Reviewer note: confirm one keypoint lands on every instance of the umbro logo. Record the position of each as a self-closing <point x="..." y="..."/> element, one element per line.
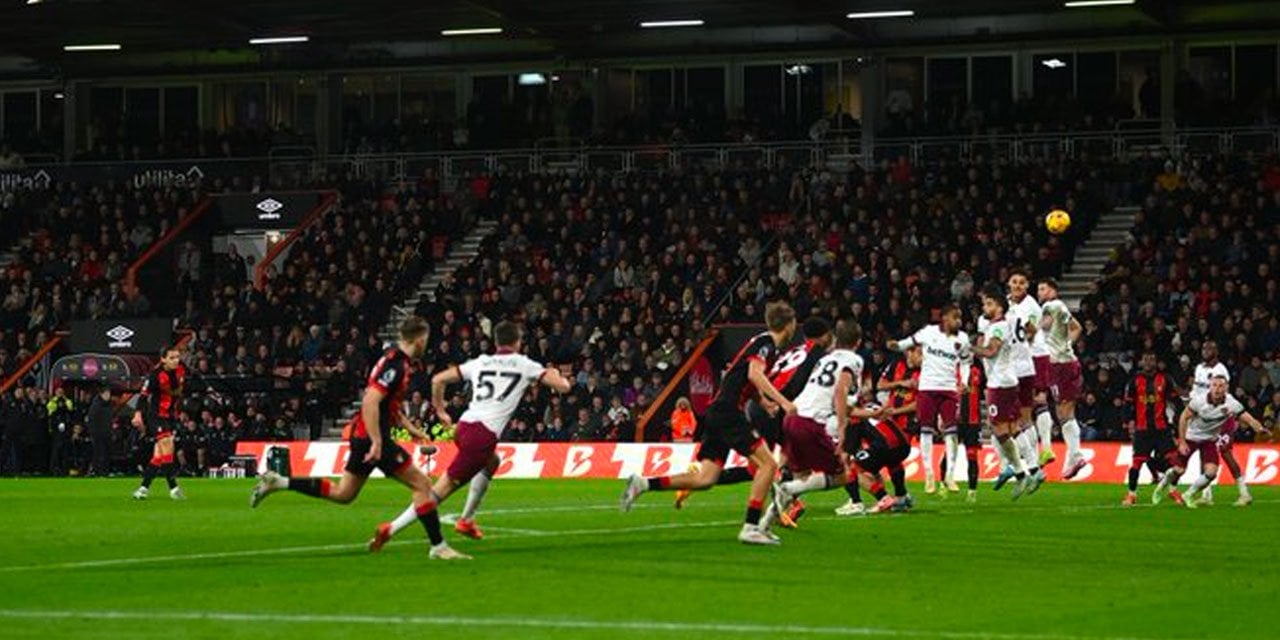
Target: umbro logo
<point x="270" y="209"/>
<point x="120" y="335"/>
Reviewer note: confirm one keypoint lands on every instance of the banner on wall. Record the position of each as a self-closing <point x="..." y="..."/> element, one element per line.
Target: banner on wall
<point x="1108" y="461"/>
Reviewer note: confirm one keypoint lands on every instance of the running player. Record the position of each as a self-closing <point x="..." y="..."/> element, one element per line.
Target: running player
<point x="945" y="350"/>
<point x="996" y="347"/>
<point x="814" y="434"/>
<point x="788" y="375"/>
<point x="371" y="446"/>
<point x="725" y="427"/>
<point x="160" y="401"/>
<point x="1206" y="371"/>
<point x="1148" y="397"/>
<point x="498" y="382"/>
<point x="1024" y="317"/>
<point x="1059" y="331"/>
<point x="1199" y="428"/>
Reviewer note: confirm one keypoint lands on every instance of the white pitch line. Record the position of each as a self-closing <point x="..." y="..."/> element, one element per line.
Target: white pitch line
<point x="530" y="623"/>
<point x="532" y="533"/>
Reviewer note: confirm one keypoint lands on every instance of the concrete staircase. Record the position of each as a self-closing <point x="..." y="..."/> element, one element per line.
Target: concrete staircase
<point x="1111" y="232"/>
<point x="460" y="254"/>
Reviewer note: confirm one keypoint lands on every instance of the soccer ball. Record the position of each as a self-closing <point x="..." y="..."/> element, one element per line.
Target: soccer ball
<point x="1057" y="222"/>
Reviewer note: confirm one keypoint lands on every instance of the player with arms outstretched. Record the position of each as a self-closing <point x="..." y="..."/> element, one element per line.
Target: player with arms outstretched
<point x="995" y="347"/>
<point x="725" y="427"/>
<point x="1199" y="428"/>
<point x="1205" y="371"/>
<point x="158" y="414"/>
<point x="371" y="446"/>
<point x="498" y="383"/>
<point x="1059" y="331"/>
<point x="945" y="352"/>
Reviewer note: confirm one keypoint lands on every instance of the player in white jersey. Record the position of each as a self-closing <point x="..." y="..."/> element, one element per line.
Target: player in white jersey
<point x="814" y="434"/>
<point x="946" y="353"/>
<point x="995" y="347"/>
<point x="1024" y="313"/>
<point x="1059" y="332"/>
<point x="1199" y="428"/>
<point x="498" y="382"/>
<point x="1210" y="368"/>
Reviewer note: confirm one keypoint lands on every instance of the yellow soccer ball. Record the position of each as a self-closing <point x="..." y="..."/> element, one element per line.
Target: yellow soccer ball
<point x="1057" y="222"/>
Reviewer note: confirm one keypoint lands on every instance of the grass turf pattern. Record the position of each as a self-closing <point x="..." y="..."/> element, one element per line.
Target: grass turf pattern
<point x="79" y="559"/>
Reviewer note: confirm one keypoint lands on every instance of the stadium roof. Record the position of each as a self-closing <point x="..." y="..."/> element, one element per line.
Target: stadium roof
<point x="576" y="28"/>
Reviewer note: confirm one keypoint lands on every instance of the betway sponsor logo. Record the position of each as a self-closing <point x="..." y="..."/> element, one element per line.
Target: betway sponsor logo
<point x="167" y="178"/>
<point x="23" y="181"/>
<point x="941" y="354"/>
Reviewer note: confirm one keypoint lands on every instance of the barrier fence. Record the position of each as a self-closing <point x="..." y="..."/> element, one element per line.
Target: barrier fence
<point x="1108" y="461"/>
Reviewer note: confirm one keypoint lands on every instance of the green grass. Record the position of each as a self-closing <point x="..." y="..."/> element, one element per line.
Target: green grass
<point x="79" y="559"/>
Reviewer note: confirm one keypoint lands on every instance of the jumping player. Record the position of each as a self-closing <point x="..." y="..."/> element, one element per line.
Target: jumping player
<point x="945" y="351"/>
<point x="814" y="434"/>
<point x="1060" y="331"/>
<point x="498" y="382"/>
<point x="1025" y="312"/>
<point x="725" y="427"/>
<point x="788" y="375"/>
<point x="1206" y="371"/>
<point x="995" y="346"/>
<point x="1199" y="427"/>
<point x="371" y="446"/>
<point x="160" y="401"/>
<point x="1148" y="397"/>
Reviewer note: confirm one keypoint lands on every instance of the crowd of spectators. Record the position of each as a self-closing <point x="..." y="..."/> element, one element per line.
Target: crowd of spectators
<point x="1200" y="264"/>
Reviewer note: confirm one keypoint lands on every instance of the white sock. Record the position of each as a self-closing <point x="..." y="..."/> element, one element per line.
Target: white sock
<point x="926" y="454"/>
<point x="766" y="520"/>
<point x="1071" y="435"/>
<point x="1243" y="486"/>
<point x="1005" y="460"/>
<point x="1200" y="483"/>
<point x="1010" y="449"/>
<point x="952" y="442"/>
<point x="815" y="482"/>
<point x="1044" y="429"/>
<point x="406" y="518"/>
<point x="1027" y="448"/>
<point x="475" y="493"/>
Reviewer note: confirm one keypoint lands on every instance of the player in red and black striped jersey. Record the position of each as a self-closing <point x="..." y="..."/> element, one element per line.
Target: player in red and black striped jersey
<point x="370" y="443"/>
<point x="159" y="407"/>
<point x="900" y="379"/>
<point x="788" y="375"/>
<point x="725" y="426"/>
<point x="879" y="444"/>
<point x="969" y="419"/>
<point x="1149" y="397"/>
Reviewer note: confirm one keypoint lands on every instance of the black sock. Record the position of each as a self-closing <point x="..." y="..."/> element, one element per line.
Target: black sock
<point x="1133" y="477"/>
<point x="171" y="475"/>
<point x="734" y="476"/>
<point x="307" y="486"/>
<point x="854" y="491"/>
<point x="786" y="474"/>
<point x="942" y="467"/>
<point x="1020" y="475"/>
<point x="899" y="477"/>
<point x="973" y="474"/>
<point x="430" y="519"/>
<point x="148" y="474"/>
<point x="754" y="508"/>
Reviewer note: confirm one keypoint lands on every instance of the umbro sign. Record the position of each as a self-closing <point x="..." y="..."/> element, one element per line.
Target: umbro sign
<point x="120" y="336"/>
<point x="254" y="211"/>
<point x="270" y="209"/>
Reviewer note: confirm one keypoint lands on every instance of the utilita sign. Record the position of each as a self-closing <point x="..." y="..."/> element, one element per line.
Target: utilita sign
<point x="139" y="175"/>
<point x="1108" y="462"/>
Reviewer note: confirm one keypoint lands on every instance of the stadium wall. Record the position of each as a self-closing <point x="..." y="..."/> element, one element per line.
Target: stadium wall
<point x="1108" y="461"/>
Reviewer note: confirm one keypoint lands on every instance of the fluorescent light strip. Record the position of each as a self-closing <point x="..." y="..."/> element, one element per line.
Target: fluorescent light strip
<point x="279" y="40"/>
<point x="91" y="47"/>
<point x="866" y="15"/>
<point x="658" y="24"/>
<point x="1077" y="4"/>
<point x="483" y="31"/>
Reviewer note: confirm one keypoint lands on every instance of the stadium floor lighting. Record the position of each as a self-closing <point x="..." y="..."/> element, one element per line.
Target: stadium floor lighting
<point x="867" y="15"/>
<point x="279" y="40"/>
<point x="1077" y="4"/>
<point x="91" y="47"/>
<point x="481" y="31"/>
<point x="658" y="24"/>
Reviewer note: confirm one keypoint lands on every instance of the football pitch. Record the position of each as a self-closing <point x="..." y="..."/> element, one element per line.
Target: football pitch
<point x="79" y="559"/>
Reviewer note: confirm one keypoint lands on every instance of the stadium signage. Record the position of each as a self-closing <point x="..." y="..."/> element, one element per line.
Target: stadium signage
<point x="167" y="178"/>
<point x="148" y="336"/>
<point x="17" y="181"/>
<point x="1108" y="461"/>
<point x="265" y="210"/>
